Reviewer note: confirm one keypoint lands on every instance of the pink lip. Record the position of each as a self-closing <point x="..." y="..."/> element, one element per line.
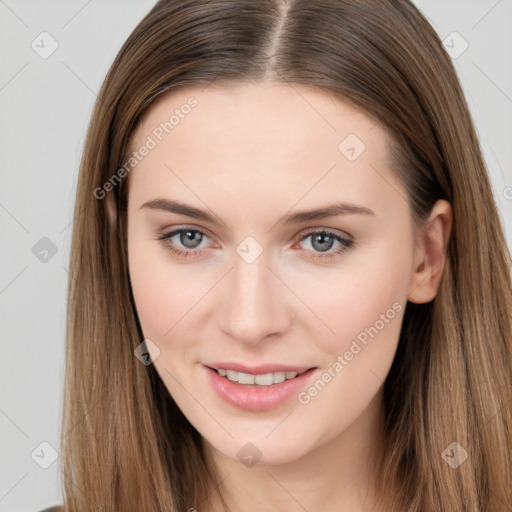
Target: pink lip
<point x="257" y="398"/>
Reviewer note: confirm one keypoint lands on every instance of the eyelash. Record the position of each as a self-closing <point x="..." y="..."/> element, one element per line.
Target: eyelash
<point x="346" y="243"/>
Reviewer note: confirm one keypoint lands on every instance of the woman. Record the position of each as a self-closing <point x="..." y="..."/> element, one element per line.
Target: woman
<point x="289" y="284"/>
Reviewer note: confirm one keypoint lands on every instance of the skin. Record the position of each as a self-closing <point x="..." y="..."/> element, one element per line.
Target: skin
<point x="251" y="154"/>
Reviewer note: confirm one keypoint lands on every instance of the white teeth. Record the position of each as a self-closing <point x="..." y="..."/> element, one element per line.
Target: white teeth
<point x="279" y="377"/>
<point x="246" y="378"/>
<point x="232" y="375"/>
<point x="265" y="379"/>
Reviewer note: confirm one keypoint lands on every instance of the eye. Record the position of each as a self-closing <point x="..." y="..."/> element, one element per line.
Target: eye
<point x="186" y="242"/>
<point x="322" y="241"/>
<point x="184" y="238"/>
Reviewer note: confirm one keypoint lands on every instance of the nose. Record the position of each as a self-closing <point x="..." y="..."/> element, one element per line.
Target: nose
<point x="253" y="302"/>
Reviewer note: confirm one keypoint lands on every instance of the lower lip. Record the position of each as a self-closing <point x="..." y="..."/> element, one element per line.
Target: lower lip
<point x="253" y="398"/>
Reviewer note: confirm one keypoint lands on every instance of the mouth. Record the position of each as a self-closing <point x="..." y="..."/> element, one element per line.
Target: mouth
<point x="259" y="388"/>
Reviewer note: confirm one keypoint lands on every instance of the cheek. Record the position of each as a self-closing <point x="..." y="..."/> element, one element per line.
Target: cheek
<point x="369" y="302"/>
<point x="163" y="292"/>
<point x="364" y="306"/>
<point x="364" y="291"/>
<point x="365" y="311"/>
<point x="153" y="300"/>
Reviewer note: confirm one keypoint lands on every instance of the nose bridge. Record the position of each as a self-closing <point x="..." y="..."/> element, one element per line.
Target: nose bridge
<point x="252" y="304"/>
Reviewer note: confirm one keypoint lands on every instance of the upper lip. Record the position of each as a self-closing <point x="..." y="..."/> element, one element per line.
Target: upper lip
<point x="258" y="369"/>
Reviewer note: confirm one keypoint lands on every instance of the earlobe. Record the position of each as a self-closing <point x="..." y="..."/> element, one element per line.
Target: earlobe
<point x="430" y="254"/>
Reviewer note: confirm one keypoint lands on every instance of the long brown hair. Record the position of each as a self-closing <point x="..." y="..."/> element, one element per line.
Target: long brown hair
<point x="125" y="444"/>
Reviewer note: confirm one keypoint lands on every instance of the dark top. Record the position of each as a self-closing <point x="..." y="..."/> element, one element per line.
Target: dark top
<point x="55" y="508"/>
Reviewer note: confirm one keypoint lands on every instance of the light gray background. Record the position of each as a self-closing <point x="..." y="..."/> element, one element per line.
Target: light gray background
<point x="45" y="107"/>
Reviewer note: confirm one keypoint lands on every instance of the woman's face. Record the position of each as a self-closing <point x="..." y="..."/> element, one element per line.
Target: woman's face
<point x="245" y="279"/>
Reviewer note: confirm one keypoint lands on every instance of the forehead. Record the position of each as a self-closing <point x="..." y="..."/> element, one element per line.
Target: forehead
<point x="261" y="139"/>
<point x="258" y="117"/>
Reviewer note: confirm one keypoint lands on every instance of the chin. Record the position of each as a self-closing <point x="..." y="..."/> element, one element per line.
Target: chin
<point x="262" y="448"/>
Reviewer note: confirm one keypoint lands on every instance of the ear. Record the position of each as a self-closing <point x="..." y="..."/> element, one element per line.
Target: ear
<point x="430" y="253"/>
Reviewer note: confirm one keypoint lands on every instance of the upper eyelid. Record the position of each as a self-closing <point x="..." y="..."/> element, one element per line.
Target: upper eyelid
<point x="178" y="229"/>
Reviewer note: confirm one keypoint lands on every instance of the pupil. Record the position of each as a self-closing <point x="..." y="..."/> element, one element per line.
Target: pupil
<point x="188" y="238"/>
<point x="323" y="239"/>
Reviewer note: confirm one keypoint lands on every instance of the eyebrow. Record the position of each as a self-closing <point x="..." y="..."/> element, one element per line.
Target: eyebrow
<point x="333" y="210"/>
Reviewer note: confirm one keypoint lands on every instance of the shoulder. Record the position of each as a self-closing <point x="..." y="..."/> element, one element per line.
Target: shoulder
<point x="55" y="508"/>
